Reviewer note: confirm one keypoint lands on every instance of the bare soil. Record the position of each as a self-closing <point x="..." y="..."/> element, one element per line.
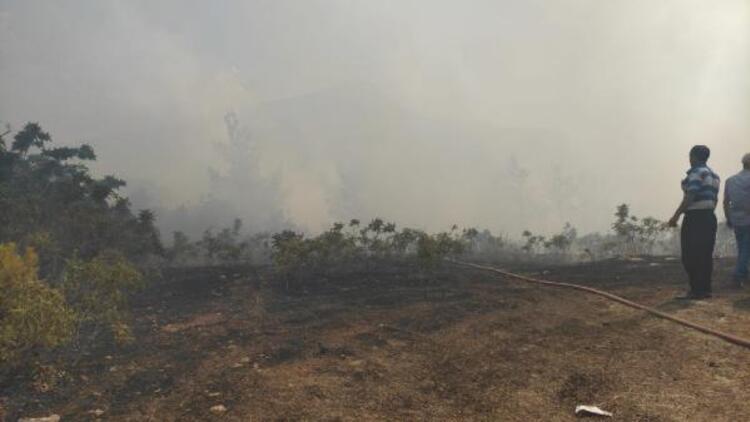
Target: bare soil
<point x="459" y="345"/>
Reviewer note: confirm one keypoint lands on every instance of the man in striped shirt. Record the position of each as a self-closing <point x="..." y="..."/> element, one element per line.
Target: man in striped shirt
<point x="698" y="235"/>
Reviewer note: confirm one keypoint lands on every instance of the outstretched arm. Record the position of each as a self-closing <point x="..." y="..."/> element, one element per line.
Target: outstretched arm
<point x="687" y="199"/>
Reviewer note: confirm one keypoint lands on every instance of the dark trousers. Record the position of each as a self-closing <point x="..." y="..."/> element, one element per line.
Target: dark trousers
<point x="742" y="234"/>
<point x="698" y="238"/>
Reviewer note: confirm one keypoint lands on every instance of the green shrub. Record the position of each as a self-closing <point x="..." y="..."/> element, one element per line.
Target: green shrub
<point x="290" y="254"/>
<point x="99" y="290"/>
<point x="33" y="315"/>
<point x="376" y="244"/>
<point x="637" y="236"/>
<point x="433" y="249"/>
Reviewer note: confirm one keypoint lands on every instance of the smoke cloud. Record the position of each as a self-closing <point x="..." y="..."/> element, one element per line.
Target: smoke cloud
<point x="498" y="114"/>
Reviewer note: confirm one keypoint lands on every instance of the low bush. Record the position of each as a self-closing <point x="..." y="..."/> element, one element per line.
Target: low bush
<point x="637" y="236"/>
<point x="228" y="246"/>
<point x="98" y="291"/>
<point x="33" y="315"/>
<point x="351" y="247"/>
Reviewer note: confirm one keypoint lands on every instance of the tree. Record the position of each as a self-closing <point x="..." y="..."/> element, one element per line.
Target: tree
<point x="50" y="200"/>
<point x="563" y="241"/>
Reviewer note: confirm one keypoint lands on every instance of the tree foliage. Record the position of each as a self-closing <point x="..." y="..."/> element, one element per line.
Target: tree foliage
<point x="636" y="236"/>
<point x="559" y="243"/>
<point x="352" y="246"/>
<point x="85" y="234"/>
<point x="49" y="199"/>
<point x="227" y="246"/>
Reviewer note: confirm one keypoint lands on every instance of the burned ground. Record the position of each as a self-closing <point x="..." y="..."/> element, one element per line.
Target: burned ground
<point x="459" y="345"/>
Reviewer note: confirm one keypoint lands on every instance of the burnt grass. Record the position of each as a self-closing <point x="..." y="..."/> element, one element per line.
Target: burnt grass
<point x="396" y="344"/>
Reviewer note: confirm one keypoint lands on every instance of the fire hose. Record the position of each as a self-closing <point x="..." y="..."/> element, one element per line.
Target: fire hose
<point x="739" y="341"/>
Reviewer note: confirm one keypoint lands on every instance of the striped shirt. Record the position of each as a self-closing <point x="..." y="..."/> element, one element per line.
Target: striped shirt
<point x="703" y="184"/>
<point x="737" y="191"/>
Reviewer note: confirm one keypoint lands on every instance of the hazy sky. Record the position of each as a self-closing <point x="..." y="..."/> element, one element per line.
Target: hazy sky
<point x="499" y="114"/>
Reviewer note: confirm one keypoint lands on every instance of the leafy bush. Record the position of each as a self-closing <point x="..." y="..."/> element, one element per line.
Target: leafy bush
<point x="433" y="249"/>
<point x="290" y="254"/>
<point x="36" y="317"/>
<point x="98" y="290"/>
<point x="534" y="243"/>
<point x="350" y="247"/>
<point x="228" y="246"/>
<point x="33" y="315"/>
<point x="630" y="235"/>
<point x="636" y="236"/>
<point x="345" y="247"/>
<point x="559" y="243"/>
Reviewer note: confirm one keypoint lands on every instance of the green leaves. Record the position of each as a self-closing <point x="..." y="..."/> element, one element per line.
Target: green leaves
<point x="4" y="147"/>
<point x="106" y="187"/>
<point x="227" y="246"/>
<point x="34" y="315"/>
<point x="31" y="135"/>
<point x="299" y="258"/>
<point x="50" y="200"/>
<point x="637" y="236"/>
<point x="98" y="290"/>
<point x="50" y="189"/>
<point x="84" y="152"/>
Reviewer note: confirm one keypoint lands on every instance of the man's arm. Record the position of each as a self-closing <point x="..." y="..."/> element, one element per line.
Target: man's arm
<point x="727" y="207"/>
<point x="687" y="199"/>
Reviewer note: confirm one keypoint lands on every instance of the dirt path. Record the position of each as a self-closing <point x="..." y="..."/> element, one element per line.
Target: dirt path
<point x="461" y="346"/>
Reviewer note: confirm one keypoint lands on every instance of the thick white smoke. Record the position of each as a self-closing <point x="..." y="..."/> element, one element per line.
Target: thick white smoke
<point x="498" y="114"/>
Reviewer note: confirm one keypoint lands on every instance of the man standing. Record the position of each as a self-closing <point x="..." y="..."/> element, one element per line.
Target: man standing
<point x="737" y="211"/>
<point x="698" y="235"/>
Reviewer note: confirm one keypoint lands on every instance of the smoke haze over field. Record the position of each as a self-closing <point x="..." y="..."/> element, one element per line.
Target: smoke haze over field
<point x="498" y="114"/>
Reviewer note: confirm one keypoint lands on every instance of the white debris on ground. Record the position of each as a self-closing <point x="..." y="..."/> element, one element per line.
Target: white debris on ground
<point x="51" y="418"/>
<point x="218" y="409"/>
<point x="591" y="411"/>
<point x="96" y="412"/>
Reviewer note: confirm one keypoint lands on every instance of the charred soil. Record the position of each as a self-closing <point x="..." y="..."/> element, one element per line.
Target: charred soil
<point x="391" y="345"/>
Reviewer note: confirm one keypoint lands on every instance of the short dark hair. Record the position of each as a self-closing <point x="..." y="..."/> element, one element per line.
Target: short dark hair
<point x="700" y="153"/>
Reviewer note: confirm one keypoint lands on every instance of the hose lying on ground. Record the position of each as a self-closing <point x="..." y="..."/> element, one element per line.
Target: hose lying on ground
<point x="724" y="336"/>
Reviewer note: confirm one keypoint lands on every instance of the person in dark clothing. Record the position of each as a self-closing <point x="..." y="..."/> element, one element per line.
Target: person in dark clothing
<point x="698" y="236"/>
<point x="737" y="211"/>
